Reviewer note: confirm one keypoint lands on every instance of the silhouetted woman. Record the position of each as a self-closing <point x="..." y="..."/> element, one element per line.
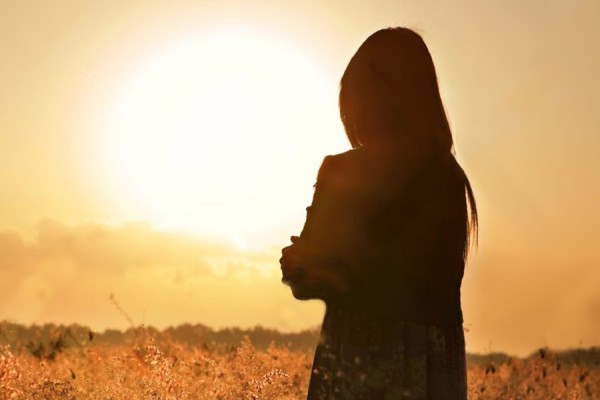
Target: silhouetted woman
<point x="386" y="236"/>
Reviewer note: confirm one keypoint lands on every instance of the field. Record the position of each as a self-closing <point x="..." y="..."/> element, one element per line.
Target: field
<point x="73" y="364"/>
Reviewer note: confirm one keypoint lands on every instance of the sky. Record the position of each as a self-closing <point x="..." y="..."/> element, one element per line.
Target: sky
<point x="164" y="151"/>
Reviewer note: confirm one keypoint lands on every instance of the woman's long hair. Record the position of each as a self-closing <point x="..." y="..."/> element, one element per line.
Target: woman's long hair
<point x="389" y="97"/>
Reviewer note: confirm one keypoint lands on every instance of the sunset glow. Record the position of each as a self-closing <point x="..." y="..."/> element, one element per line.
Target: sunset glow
<point x="165" y="152"/>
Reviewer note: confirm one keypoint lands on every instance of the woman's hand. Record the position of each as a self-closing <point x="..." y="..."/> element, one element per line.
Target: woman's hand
<point x="299" y="271"/>
<point x="290" y="261"/>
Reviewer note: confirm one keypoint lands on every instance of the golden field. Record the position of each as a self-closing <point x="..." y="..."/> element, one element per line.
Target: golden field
<point x="70" y="363"/>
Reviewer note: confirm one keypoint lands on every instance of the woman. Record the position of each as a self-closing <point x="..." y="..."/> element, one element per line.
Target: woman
<point x="386" y="236"/>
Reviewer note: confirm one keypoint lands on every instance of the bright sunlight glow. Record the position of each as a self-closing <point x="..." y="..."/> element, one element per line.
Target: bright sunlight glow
<point x="212" y="133"/>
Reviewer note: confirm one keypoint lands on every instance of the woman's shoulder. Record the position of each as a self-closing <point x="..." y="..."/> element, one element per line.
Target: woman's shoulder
<point x="342" y="167"/>
<point x="345" y="158"/>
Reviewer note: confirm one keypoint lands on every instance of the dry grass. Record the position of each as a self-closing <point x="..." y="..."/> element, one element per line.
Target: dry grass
<point x="147" y="370"/>
<point x="541" y="377"/>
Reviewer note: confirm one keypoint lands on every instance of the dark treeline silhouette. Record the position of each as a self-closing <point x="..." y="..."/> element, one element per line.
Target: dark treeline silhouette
<point x="47" y="340"/>
<point x="44" y="339"/>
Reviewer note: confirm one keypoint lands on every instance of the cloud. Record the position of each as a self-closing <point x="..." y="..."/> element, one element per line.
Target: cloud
<point x="65" y="274"/>
<point x="118" y="249"/>
<point x="92" y="248"/>
<point x="128" y="246"/>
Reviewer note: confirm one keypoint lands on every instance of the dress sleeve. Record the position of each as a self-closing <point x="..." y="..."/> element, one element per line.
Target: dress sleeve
<point x="322" y="273"/>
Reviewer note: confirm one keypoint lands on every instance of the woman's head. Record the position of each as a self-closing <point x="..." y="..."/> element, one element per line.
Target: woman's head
<point x="390" y="100"/>
<point x="389" y="93"/>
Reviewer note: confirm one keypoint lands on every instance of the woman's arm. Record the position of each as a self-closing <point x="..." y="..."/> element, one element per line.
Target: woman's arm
<point x="312" y="266"/>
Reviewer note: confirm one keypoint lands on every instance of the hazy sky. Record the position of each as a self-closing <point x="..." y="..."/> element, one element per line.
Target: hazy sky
<point x="164" y="151"/>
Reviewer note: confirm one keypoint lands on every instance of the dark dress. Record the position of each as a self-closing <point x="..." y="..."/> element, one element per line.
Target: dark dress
<point x="388" y="266"/>
<point x="366" y="357"/>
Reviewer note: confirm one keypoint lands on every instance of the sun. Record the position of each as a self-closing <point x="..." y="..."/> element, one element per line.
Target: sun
<point x="211" y="133"/>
